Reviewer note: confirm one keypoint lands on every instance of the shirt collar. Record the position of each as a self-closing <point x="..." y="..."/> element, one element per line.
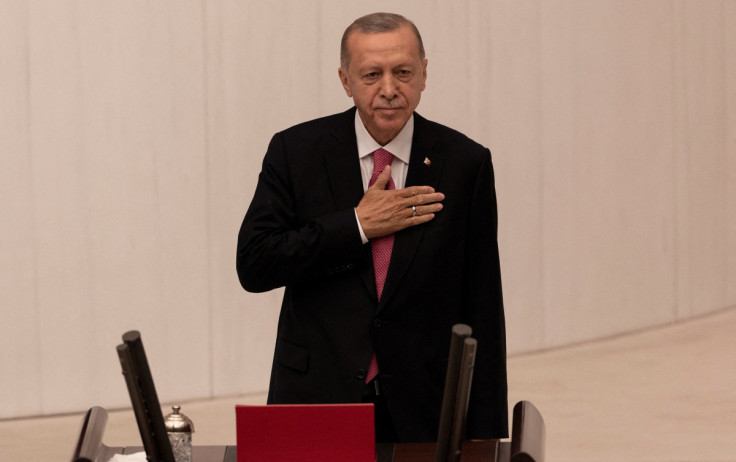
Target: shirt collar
<point x="400" y="146"/>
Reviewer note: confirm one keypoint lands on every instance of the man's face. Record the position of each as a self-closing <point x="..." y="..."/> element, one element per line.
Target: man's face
<point x="385" y="78"/>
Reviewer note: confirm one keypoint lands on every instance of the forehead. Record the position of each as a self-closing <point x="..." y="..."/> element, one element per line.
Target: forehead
<point x="400" y="43"/>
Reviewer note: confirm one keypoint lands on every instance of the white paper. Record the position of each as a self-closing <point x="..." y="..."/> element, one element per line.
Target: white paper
<point x="136" y="457"/>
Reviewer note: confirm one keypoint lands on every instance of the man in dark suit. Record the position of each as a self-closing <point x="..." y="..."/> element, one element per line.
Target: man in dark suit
<point x="378" y="264"/>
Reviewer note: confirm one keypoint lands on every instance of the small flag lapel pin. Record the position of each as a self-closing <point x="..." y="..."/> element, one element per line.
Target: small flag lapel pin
<point x="427" y="162"/>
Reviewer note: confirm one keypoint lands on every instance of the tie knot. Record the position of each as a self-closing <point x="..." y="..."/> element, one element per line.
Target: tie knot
<point x="381" y="158"/>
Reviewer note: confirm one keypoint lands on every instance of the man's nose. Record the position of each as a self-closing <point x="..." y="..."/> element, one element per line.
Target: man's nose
<point x="389" y="86"/>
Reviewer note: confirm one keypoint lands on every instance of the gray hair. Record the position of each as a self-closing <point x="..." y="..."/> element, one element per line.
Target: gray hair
<point x="375" y="23"/>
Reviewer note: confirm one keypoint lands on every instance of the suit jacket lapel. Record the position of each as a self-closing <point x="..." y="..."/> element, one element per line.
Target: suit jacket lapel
<point x="343" y="170"/>
<point x="343" y="166"/>
<point x="425" y="169"/>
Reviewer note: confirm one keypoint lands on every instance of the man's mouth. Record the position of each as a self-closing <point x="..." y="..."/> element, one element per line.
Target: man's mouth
<point x="388" y="110"/>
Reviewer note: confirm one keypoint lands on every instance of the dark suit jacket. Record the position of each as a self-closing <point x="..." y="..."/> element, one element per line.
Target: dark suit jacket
<point x="300" y="232"/>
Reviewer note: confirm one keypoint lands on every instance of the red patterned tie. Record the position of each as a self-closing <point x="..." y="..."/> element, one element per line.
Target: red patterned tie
<point x="380" y="247"/>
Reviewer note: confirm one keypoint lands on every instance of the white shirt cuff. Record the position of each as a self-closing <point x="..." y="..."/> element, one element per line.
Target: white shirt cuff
<point x="360" y="228"/>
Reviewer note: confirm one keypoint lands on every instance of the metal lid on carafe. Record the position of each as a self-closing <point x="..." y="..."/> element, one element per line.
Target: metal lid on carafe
<point x="178" y="423"/>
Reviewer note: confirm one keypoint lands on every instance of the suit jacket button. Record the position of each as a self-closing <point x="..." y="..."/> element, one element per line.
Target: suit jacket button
<point x="361" y="374"/>
<point x="377" y="322"/>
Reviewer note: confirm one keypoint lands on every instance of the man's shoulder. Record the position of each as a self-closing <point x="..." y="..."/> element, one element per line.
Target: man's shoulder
<point x="446" y="135"/>
<point x="335" y="123"/>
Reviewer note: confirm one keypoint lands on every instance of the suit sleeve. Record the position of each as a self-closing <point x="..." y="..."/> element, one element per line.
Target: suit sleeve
<point x="279" y="245"/>
<point x="488" y="410"/>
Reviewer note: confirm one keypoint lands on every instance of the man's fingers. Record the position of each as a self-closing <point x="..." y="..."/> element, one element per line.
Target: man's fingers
<point x="424" y="210"/>
<point x="420" y="195"/>
<point x="383" y="178"/>
<point x="381" y="212"/>
<point x="413" y="191"/>
<point x="422" y="199"/>
<point x="420" y="219"/>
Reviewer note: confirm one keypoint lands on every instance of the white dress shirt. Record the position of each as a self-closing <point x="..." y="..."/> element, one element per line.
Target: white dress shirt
<point x="400" y="147"/>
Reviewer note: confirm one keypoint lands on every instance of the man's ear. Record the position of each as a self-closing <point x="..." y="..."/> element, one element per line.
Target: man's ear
<point x="344" y="80"/>
<point x="424" y="73"/>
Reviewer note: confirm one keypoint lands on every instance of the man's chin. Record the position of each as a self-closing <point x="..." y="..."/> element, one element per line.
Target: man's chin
<point x="387" y="132"/>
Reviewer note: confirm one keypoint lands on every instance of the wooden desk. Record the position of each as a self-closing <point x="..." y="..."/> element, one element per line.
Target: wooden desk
<point x="472" y="451"/>
<point x="527" y="443"/>
<point x="199" y="453"/>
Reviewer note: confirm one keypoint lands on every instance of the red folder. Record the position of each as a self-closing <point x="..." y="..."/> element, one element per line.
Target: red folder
<point x="305" y="433"/>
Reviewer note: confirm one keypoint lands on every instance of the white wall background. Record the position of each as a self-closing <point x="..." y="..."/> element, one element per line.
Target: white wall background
<point x="131" y="135"/>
